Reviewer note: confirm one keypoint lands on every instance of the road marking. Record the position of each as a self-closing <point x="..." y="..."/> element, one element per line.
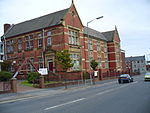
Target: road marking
<point x="107" y="83"/>
<point x="74" y="101"/>
<point x="14" y="100"/>
<point x="110" y="90"/>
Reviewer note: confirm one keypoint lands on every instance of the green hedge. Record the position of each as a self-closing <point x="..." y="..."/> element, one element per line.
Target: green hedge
<point x="32" y="76"/>
<point x="5" y="76"/>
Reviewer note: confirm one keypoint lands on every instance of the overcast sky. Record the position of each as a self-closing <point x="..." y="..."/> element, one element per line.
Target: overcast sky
<point x="132" y="18"/>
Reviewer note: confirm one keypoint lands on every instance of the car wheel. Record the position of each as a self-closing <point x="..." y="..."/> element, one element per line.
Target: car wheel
<point x="128" y="81"/>
<point x="121" y="81"/>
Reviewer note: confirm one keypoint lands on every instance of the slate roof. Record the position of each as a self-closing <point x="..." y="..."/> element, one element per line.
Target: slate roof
<point x="37" y="23"/>
<point x="109" y="35"/>
<point x="137" y="58"/>
<point x="94" y="33"/>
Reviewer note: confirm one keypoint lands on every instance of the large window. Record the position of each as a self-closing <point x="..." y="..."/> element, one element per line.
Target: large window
<point x="9" y="45"/>
<point x="90" y="45"/>
<point x="75" y="60"/>
<point x="40" y="62"/>
<point x="40" y="40"/>
<point x="98" y="46"/>
<point x="30" y="67"/>
<point x="29" y="42"/>
<point x="1" y="48"/>
<point x="49" y="39"/>
<point x="19" y="44"/>
<point x="105" y="47"/>
<point x="99" y="62"/>
<point x="73" y="37"/>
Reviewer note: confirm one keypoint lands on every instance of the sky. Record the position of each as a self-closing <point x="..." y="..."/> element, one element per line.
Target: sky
<point x="132" y="18"/>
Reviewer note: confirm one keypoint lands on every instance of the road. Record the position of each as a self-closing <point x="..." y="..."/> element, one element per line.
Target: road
<point x="109" y="97"/>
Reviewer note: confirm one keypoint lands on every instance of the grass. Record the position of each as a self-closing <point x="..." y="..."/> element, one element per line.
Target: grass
<point x="26" y="83"/>
<point x="52" y="82"/>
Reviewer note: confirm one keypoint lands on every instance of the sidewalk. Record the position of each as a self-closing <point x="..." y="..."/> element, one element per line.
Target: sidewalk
<point x="35" y="92"/>
<point x="11" y="97"/>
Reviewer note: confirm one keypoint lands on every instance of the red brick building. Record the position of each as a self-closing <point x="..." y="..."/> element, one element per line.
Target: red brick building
<point x="39" y="38"/>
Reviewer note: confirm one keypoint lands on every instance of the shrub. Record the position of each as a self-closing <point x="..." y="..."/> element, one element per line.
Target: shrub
<point x="32" y="76"/>
<point x="6" y="64"/>
<point x="5" y="76"/>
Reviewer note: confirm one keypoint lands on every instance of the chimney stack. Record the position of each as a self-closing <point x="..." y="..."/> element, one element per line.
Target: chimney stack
<point x="6" y="27"/>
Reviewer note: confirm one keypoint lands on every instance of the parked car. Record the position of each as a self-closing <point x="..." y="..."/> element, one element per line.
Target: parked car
<point x="125" y="78"/>
<point x="147" y="76"/>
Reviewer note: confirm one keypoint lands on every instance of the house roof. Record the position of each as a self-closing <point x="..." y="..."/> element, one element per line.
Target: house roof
<point x="137" y="58"/>
<point x="37" y="23"/>
<point x="94" y="33"/>
<point x="109" y="35"/>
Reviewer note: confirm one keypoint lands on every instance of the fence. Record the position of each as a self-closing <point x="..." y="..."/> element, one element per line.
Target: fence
<point x="9" y="86"/>
<point x="55" y="80"/>
<point x="5" y="87"/>
<point x="113" y="74"/>
<point x="68" y="80"/>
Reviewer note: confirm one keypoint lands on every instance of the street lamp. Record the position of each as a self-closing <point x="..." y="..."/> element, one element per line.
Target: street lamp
<point x="88" y="48"/>
<point x="93" y="20"/>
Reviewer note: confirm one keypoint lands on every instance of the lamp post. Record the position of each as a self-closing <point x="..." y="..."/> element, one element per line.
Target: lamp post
<point x="93" y="20"/>
<point x="88" y="47"/>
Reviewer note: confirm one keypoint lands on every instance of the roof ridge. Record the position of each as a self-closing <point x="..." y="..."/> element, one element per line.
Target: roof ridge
<point x="108" y="31"/>
<point x="97" y="33"/>
<point x="41" y="16"/>
<point x="37" y="23"/>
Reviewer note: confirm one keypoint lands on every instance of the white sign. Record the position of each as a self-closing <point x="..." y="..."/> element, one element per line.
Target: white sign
<point x="95" y="73"/>
<point x="43" y="71"/>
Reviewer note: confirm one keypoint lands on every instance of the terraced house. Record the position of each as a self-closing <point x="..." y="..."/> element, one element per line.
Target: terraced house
<point x="39" y="38"/>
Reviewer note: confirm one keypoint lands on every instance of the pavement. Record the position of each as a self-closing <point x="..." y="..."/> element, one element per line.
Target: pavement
<point x="28" y="92"/>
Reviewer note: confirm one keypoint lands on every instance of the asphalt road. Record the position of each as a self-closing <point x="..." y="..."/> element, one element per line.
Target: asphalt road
<point x="109" y="97"/>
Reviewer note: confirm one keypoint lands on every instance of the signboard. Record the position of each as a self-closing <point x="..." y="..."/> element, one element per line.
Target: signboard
<point x="95" y="73"/>
<point x="43" y="71"/>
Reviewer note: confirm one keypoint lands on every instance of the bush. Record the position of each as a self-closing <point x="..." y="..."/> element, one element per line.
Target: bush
<point x="5" y="76"/>
<point x="6" y="64"/>
<point x="32" y="76"/>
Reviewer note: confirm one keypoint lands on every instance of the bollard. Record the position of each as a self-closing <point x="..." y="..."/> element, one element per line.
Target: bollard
<point x="41" y="84"/>
<point x="13" y="83"/>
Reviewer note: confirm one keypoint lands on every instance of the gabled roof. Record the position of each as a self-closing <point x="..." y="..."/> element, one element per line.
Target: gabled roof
<point x="136" y="58"/>
<point x="37" y="23"/>
<point x="109" y="35"/>
<point x="94" y="33"/>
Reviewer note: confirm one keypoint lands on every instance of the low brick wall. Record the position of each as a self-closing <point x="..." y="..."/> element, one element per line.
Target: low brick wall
<point x="9" y="86"/>
<point x="63" y="84"/>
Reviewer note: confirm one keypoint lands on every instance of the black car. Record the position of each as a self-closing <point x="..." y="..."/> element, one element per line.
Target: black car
<point x="125" y="78"/>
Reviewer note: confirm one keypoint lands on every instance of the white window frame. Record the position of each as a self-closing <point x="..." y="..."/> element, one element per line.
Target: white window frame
<point x="73" y="37"/>
<point x="29" y="42"/>
<point x="49" y="39"/>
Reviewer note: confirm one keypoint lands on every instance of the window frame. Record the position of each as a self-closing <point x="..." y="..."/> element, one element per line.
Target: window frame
<point x="73" y="36"/>
<point x="49" y="38"/>
<point x="29" y="42"/>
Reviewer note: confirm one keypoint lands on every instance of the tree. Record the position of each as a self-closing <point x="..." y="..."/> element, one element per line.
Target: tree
<point x="93" y="64"/>
<point x="5" y="75"/>
<point x="6" y="65"/>
<point x="63" y="58"/>
<point x="32" y="76"/>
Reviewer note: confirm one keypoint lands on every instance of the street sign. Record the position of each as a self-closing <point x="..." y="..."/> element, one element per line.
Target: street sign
<point x="43" y="71"/>
<point x="95" y="73"/>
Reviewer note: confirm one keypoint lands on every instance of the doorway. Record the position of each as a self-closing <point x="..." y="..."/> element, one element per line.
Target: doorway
<point x="50" y="65"/>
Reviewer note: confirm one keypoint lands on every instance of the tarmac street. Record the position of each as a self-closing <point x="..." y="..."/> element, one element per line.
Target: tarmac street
<point x="104" y="97"/>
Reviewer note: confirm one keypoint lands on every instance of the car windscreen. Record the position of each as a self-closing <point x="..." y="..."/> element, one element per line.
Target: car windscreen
<point x="147" y="74"/>
<point x="125" y="75"/>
